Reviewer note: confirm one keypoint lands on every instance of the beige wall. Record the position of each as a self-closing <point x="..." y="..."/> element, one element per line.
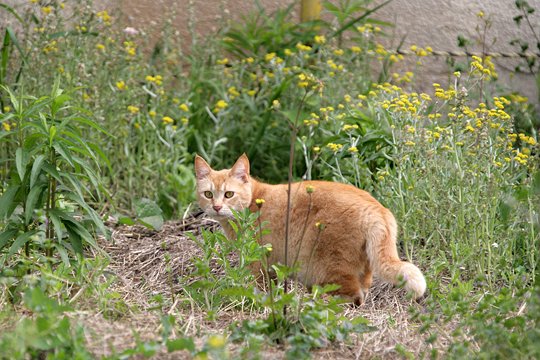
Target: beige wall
<point x="436" y="23"/>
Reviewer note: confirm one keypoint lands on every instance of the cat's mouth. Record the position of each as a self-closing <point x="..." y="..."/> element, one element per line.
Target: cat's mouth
<point x="219" y="215"/>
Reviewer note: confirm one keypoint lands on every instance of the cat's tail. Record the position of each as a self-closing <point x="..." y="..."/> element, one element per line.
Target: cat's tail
<point x="383" y="256"/>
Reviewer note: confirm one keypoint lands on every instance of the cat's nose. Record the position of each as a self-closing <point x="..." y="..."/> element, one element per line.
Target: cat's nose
<point x="217" y="207"/>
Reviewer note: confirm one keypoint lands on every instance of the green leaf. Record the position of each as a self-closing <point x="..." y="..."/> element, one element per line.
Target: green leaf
<point x="21" y="160"/>
<point x="20" y="241"/>
<point x="31" y="202"/>
<point x="36" y="169"/>
<point x="181" y="344"/>
<point x="6" y="201"/>
<point x="12" y="12"/>
<point x="74" y="237"/>
<point x="7" y="235"/>
<point x="58" y="102"/>
<point x="149" y="214"/>
<point x="124" y="220"/>
<point x="52" y="134"/>
<point x="57" y="223"/>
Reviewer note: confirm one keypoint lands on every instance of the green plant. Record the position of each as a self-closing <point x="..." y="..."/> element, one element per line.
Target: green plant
<point x="50" y="172"/>
<point x="50" y="333"/>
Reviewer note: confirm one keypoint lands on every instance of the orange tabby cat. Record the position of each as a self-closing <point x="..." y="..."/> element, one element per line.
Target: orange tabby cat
<point x="358" y="236"/>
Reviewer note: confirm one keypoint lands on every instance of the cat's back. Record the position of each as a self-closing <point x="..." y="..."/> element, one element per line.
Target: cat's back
<point x="327" y="192"/>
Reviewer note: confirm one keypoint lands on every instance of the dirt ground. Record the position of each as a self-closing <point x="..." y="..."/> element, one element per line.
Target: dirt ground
<point x="137" y="262"/>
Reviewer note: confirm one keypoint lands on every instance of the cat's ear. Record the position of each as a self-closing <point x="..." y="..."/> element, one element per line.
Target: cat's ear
<point x="240" y="169"/>
<point x="202" y="169"/>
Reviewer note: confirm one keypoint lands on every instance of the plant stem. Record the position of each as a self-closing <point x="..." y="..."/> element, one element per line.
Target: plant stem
<point x="294" y="133"/>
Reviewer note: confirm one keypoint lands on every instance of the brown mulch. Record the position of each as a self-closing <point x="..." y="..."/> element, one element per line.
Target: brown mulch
<point x="139" y="267"/>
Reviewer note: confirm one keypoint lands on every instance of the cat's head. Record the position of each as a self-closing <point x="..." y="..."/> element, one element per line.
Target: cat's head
<point x="221" y="191"/>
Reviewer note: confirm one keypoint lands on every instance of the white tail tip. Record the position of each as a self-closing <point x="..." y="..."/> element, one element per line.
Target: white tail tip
<point x="415" y="282"/>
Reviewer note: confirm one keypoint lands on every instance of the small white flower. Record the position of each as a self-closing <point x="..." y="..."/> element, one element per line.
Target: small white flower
<point x="131" y="31"/>
<point x="495" y="245"/>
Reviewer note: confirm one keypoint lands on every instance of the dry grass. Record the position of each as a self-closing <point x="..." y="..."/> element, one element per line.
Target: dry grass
<point x="138" y="263"/>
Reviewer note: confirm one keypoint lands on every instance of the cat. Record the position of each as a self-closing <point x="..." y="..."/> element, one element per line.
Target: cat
<point x="338" y="233"/>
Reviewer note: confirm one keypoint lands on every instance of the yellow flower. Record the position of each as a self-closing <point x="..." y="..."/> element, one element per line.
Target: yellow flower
<point x="223" y="61"/>
<point x="167" y="120"/>
<point x="216" y="341"/>
<point x="249" y="60"/>
<point x="316" y="149"/>
<point x="121" y="85"/>
<point x="6" y="126"/>
<point x="46" y="10"/>
<point x="259" y="202"/>
<point x="252" y="92"/>
<point x="287" y="52"/>
<point x="310" y="189"/>
<point x="338" y="52"/>
<point x="221" y="104"/>
<point x="276" y="104"/>
<point x="152" y="113"/>
<point x="356" y="49"/>
<point x="183" y="107"/>
<point x="334" y="147"/>
<point x="410" y="143"/>
<point x="270" y="56"/>
<point x="100" y="47"/>
<point x="320" y="39"/>
<point x="184" y="120"/>
<point x="133" y="109"/>
<point x="353" y="149"/>
<point x="7" y="108"/>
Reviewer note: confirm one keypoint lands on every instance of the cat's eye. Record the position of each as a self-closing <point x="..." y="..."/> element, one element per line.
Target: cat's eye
<point x="208" y="194"/>
<point x="229" y="194"/>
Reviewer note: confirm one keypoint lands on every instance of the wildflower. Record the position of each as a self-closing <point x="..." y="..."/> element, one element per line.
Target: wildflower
<point x="270" y="56"/>
<point x="167" y="120"/>
<point x="104" y="16"/>
<point x="131" y="31"/>
<point x="303" y="47"/>
<point x="133" y="109"/>
<point x="221" y="104"/>
<point x="353" y="149"/>
<point x="276" y="104"/>
<point x="152" y="113"/>
<point x="480" y="14"/>
<point x="334" y="147"/>
<point x="7" y="108"/>
<point x="183" y="107"/>
<point x="457" y="74"/>
<point x="184" y="120"/>
<point x="100" y="47"/>
<point x="259" y="202"/>
<point x="223" y="61"/>
<point x="356" y="49"/>
<point x="6" y="126"/>
<point x="347" y="127"/>
<point x="287" y="52"/>
<point x="137" y="125"/>
<point x="121" y="85"/>
<point x="216" y="341"/>
<point x="234" y="93"/>
<point x="252" y="92"/>
<point x="316" y="149"/>
<point x="347" y="98"/>
<point x="46" y="10"/>
<point x="410" y="143"/>
<point x="338" y="52"/>
<point x="320" y="39"/>
<point x="469" y="128"/>
<point x="310" y="189"/>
